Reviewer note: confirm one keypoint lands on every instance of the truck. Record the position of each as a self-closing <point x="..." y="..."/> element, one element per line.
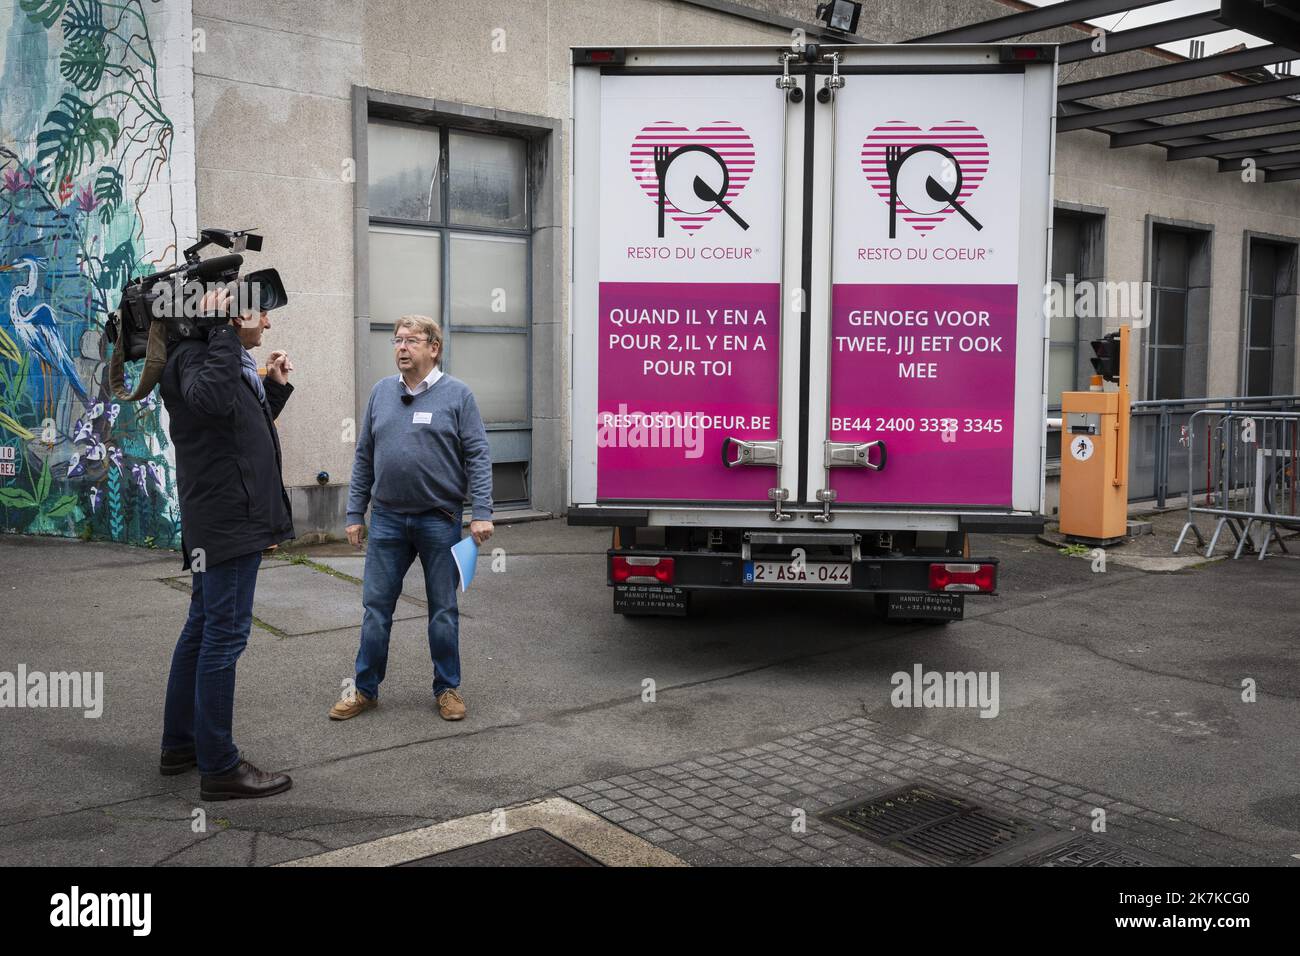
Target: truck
<point x="808" y="316"/>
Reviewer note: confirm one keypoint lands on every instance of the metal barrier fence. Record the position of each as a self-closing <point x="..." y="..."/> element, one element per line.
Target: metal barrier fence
<point x="1251" y="475"/>
<point x="1160" y="456"/>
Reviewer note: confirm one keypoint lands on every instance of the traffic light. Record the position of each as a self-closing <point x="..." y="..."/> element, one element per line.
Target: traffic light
<point x="1105" y="359"/>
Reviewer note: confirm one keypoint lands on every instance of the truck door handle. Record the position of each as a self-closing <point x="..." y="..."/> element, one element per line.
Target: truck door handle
<point x="855" y="455"/>
<point x="767" y="453"/>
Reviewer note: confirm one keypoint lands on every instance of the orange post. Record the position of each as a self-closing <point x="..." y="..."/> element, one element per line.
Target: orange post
<point x="1095" y="456"/>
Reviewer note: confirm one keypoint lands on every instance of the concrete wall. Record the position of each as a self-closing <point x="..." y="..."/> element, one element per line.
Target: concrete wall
<point x="272" y="111"/>
<point x="274" y="126"/>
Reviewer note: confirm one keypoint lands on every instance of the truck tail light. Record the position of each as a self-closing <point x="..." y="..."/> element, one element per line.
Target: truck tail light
<point x="963" y="577"/>
<point x="642" y="570"/>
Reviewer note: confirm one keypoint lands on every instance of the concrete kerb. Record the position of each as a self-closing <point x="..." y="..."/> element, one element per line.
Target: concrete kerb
<point x="579" y="827"/>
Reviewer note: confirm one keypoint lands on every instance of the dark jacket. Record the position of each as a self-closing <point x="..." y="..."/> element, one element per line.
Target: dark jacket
<point x="228" y="463"/>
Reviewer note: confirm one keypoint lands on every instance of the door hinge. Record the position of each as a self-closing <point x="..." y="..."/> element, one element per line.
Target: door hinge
<point x="776" y="496"/>
<point x="845" y="454"/>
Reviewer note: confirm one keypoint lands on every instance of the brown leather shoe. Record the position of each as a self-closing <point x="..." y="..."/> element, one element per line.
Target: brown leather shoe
<point x="350" y="708"/>
<point x="451" y="706"/>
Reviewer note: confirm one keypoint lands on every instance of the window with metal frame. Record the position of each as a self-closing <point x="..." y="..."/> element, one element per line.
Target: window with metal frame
<point x="1269" y="319"/>
<point x="449" y="235"/>
<point x="1177" y="339"/>
<point x="1077" y="305"/>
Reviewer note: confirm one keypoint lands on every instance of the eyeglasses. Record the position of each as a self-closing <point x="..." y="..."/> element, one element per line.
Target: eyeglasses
<point x="399" y="340"/>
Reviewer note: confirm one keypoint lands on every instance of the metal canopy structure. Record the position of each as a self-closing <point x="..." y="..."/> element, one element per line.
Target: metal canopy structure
<point x="1270" y="99"/>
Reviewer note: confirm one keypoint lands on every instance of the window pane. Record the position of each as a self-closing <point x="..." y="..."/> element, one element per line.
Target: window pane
<point x="509" y="482"/>
<point x="487" y="180"/>
<point x="1171" y="259"/>
<point x="495" y="367"/>
<point x="383" y="357"/>
<point x="1259" y="376"/>
<point x="405" y="274"/>
<point x="403" y="172"/>
<point x="1060" y="373"/>
<point x="1171" y="318"/>
<point x="488" y="281"/>
<point x="1065" y="328"/>
<point x="1261" y="324"/>
<point x="1169" y="373"/>
<point x="1263" y="268"/>
<point x="1065" y="247"/>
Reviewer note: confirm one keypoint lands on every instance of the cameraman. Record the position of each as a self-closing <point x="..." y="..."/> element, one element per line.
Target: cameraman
<point x="233" y="506"/>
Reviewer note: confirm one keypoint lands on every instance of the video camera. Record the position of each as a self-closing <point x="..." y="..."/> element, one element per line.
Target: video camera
<point x="172" y="296"/>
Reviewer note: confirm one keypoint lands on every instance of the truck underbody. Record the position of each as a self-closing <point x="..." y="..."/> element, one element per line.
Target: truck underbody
<point x="914" y="575"/>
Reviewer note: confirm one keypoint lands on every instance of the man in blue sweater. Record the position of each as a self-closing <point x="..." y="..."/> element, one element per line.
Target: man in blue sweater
<point x="421" y="453"/>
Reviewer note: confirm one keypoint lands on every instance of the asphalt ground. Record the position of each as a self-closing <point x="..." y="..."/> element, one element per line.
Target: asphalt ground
<point x="1124" y="684"/>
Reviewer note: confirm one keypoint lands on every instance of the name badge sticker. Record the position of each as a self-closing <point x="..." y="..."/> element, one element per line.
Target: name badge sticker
<point x="422" y="418"/>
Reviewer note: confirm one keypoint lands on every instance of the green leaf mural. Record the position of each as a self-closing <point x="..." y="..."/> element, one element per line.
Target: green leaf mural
<point x="44" y="12"/>
<point x="72" y="133"/>
<point x="108" y="190"/>
<point x="16" y="498"/>
<point x="118" y="265"/>
<point x="62" y="507"/>
<point x="84" y="21"/>
<point x="82" y="62"/>
<point x="71" y="202"/>
<point x="43" y="483"/>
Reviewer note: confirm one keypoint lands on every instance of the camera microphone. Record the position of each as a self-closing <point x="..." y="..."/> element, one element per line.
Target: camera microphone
<point x="407" y="399"/>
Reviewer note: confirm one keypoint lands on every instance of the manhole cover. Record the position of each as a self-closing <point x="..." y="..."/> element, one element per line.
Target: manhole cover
<point x="1089" y="851"/>
<point x="930" y="825"/>
<point x="533" y="847"/>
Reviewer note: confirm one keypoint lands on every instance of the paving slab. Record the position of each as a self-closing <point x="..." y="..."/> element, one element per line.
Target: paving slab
<point x="297" y="599"/>
<point x="796" y="829"/>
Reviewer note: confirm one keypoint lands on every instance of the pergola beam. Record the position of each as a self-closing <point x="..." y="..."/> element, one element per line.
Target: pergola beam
<point x="1034" y="21"/>
<point x="1210" y="127"/>
<point x="1176" y="72"/>
<point x="1215" y="99"/>
<point x="1262" y="161"/>
<point x="1121" y="41"/>
<point x="1243" y="144"/>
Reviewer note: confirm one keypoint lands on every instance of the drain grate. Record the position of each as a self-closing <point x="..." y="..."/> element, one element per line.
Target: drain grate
<point x="1090" y="851"/>
<point x="533" y="847"/>
<point x="928" y="824"/>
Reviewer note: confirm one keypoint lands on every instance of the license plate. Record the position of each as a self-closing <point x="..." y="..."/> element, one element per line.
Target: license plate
<point x="821" y="574"/>
<point x="927" y="607"/>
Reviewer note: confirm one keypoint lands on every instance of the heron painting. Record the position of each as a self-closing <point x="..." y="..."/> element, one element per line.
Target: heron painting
<point x="37" y="327"/>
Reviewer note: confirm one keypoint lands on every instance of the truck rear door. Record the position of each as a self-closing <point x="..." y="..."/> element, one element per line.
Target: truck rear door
<point x="932" y="189"/>
<point x="681" y="264"/>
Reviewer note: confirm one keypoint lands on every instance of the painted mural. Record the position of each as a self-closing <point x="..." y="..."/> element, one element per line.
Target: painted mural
<point x="85" y="150"/>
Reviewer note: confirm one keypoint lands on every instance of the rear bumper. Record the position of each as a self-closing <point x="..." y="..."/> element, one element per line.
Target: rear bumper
<point x="698" y="571"/>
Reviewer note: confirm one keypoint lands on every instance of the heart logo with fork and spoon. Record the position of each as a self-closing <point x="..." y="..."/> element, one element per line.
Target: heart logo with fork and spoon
<point x="925" y="176"/>
<point x="692" y="176"/>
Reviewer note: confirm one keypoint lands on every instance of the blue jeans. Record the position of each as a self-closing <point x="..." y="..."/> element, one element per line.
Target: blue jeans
<point x="393" y="541"/>
<point x="200" y="706"/>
